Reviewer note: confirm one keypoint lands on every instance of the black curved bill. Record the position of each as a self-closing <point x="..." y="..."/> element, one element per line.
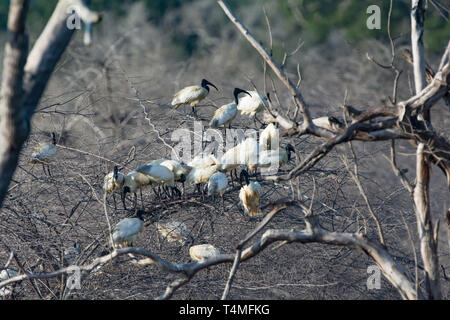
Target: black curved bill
<point x="236" y="91"/>
<point x="206" y="83"/>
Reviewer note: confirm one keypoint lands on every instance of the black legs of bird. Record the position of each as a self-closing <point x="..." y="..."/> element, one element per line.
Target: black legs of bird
<point x="198" y="189"/>
<point x="114" y="181"/>
<point x="114" y="199"/>
<point x="171" y="192"/>
<point x="235" y="175"/>
<point x="192" y="95"/>
<point x="126" y="190"/>
<point x="201" y="191"/>
<point x="48" y="170"/>
<point x="182" y="179"/>
<point x="43" y="153"/>
<point x="218" y="183"/>
<point x="255" y="118"/>
<point x="123" y="202"/>
<point x="175" y="192"/>
<point x="213" y="199"/>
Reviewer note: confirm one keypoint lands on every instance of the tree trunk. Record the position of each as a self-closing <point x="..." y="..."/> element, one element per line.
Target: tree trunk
<point x="14" y="128"/>
<point x="427" y="234"/>
<point x="24" y="83"/>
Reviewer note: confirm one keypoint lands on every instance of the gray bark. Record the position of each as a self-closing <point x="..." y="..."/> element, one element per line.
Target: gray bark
<point x="13" y="127"/>
<point x="25" y="77"/>
<point x="427" y="234"/>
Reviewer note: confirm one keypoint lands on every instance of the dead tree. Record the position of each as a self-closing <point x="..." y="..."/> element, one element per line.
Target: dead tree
<point x="409" y="119"/>
<point x="25" y="75"/>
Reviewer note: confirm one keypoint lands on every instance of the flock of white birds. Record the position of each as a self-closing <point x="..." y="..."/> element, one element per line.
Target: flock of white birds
<point x="163" y="175"/>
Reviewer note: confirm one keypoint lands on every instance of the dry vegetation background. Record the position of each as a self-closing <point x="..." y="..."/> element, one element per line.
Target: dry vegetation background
<point x="92" y="105"/>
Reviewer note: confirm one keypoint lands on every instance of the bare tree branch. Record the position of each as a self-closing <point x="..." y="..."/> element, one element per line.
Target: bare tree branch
<point x="427" y="235"/>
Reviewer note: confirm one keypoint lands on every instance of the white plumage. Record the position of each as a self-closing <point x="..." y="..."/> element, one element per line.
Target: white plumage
<point x="135" y="180"/>
<point x="203" y="169"/>
<point x="158" y="175"/>
<point x="250" y="149"/>
<point x="272" y="157"/>
<point x="176" y="167"/>
<point x="192" y="95"/>
<point x="275" y="157"/>
<point x="329" y="123"/>
<point x="269" y="138"/>
<point x="5" y="275"/>
<point x="127" y="230"/>
<point x="252" y="104"/>
<point x="114" y="180"/>
<point x="245" y="153"/>
<point x="43" y="153"/>
<point x="250" y="195"/>
<point x="202" y="159"/>
<point x="226" y="113"/>
<point x="203" y="251"/>
<point x="217" y="183"/>
<point x="231" y="159"/>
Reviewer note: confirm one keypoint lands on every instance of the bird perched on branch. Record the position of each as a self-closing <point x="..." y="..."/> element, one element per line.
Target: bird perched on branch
<point x="114" y="181"/>
<point x="252" y="104"/>
<point x="249" y="195"/>
<point x="43" y="153"/>
<point x="192" y="95"/>
<point x="275" y="157"/>
<point x="126" y="231"/>
<point x="429" y="72"/>
<point x="226" y="113"/>
<point x="203" y="251"/>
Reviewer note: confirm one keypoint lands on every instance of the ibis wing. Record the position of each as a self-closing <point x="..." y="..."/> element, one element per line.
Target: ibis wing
<point x="224" y="114"/>
<point x="188" y="94"/>
<point x="144" y="169"/>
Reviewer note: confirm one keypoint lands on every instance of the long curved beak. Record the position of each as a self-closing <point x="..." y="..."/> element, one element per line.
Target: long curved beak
<point x="239" y="90"/>
<point x="236" y="92"/>
<point x="211" y="84"/>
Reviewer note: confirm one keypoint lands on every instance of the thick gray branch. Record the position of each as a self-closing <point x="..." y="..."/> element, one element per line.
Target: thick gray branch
<point x="427" y="234"/>
<point x="25" y="77"/>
